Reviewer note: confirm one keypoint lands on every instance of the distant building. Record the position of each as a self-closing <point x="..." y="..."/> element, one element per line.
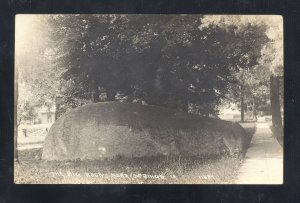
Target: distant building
<point x="45" y="115"/>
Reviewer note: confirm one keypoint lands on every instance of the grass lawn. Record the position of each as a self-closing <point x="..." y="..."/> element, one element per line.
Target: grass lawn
<point x="152" y="170"/>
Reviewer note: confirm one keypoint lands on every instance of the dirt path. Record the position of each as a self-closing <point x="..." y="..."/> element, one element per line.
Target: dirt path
<point x="264" y="159"/>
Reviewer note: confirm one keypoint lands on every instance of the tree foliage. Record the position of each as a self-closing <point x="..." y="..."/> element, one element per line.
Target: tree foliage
<point x="258" y="83"/>
<point x="165" y="60"/>
<point x="176" y="61"/>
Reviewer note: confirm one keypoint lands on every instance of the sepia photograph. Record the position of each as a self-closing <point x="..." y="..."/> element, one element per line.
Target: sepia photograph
<point x="148" y="99"/>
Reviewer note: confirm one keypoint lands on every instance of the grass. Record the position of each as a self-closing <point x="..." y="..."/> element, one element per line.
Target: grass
<point x="152" y="170"/>
<point x="249" y="127"/>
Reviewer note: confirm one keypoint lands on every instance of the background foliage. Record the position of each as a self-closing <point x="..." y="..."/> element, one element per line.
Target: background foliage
<point x="188" y="62"/>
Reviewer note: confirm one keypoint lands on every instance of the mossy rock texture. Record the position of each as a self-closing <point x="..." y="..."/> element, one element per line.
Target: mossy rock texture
<point x="110" y="129"/>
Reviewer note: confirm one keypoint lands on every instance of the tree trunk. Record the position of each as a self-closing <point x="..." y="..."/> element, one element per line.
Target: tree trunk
<point x="275" y="108"/>
<point x="242" y="104"/>
<point x="110" y="95"/>
<point x="57" y="111"/>
<point x="16" y="125"/>
<point x="16" y="155"/>
<point x="95" y="96"/>
<point x="254" y="110"/>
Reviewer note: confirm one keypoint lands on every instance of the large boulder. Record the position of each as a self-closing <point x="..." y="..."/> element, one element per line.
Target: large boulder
<point x="109" y="129"/>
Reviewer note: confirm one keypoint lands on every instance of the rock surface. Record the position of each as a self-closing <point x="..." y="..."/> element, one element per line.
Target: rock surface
<point x="110" y="129"/>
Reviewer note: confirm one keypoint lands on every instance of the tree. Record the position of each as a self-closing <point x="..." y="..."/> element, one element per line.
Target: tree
<point x="89" y="50"/>
<point x="255" y="92"/>
<point x="273" y="58"/>
<point x="24" y="60"/>
<point x="277" y="127"/>
<point x="34" y="57"/>
<point x="165" y="60"/>
<point x="271" y="52"/>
